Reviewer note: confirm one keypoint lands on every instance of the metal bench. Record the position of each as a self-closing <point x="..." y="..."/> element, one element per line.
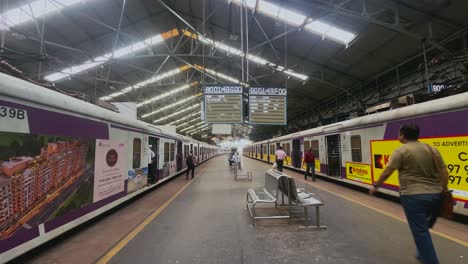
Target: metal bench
<point x="268" y="194"/>
<point x="306" y="200"/>
<point x="241" y="174"/>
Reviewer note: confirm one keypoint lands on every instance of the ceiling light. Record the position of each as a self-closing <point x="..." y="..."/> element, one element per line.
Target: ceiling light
<point x="164" y="95"/>
<point x="221" y="75"/>
<point x="250" y="57"/>
<point x="185" y="118"/>
<point x="146" y="82"/>
<point x="187" y="123"/>
<point x="193" y="126"/>
<point x="33" y="10"/>
<point x="171" y="105"/>
<point x="177" y="113"/>
<point x="122" y="52"/>
<point x="297" y="19"/>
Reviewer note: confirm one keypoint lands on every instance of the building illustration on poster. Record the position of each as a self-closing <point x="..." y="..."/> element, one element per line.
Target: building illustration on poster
<point x="110" y="167"/>
<point x="41" y="178"/>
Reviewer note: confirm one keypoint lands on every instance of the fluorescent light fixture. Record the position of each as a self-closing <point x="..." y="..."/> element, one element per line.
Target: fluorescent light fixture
<point x="185" y="100"/>
<point x="122" y="52"/>
<point x="146" y="82"/>
<point x="36" y="9"/>
<point x="221" y="75"/>
<point x="295" y="18"/>
<point x="185" y="118"/>
<point x="164" y="95"/>
<point x="177" y="113"/>
<point x="250" y="57"/>
<point x="187" y="123"/>
<point x="199" y="130"/>
<point x="192" y="126"/>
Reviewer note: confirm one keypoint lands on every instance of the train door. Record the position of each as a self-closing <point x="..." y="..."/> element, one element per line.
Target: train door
<point x="153" y="167"/>
<point x="333" y="155"/>
<point x="179" y="156"/>
<point x="296" y="154"/>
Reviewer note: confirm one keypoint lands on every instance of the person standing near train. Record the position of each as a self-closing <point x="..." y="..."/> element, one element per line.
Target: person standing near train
<point x="280" y="157"/>
<point x="190" y="162"/>
<point x="309" y="160"/>
<point x="423" y="177"/>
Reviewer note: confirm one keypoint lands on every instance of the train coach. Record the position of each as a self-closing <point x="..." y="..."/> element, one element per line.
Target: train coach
<point x="64" y="161"/>
<point x="356" y="151"/>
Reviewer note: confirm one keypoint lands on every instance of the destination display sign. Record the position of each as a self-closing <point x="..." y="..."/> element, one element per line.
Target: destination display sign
<point x="223" y="104"/>
<point x="267" y="106"/>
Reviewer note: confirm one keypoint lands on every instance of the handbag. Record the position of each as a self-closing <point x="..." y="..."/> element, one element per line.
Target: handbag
<point x="275" y="165"/>
<point x="446" y="210"/>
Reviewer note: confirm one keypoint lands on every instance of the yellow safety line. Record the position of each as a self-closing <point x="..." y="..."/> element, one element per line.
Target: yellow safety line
<point x="388" y="214"/>
<point x="122" y="243"/>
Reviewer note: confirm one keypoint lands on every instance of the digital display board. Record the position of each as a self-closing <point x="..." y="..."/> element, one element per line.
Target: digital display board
<point x="223" y="104"/>
<point x="267" y="106"/>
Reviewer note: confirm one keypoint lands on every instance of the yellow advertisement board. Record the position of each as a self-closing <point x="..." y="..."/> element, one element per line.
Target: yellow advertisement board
<point x="454" y="151"/>
<point x="359" y="172"/>
<point x="317" y="165"/>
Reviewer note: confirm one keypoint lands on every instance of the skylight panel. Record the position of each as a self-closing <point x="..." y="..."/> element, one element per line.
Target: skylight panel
<point x="239" y="53"/>
<point x="171" y="105"/>
<point x="122" y="52"/>
<point x="36" y="9"/>
<point x="145" y="82"/>
<point x="177" y="113"/>
<point x="295" y="18"/>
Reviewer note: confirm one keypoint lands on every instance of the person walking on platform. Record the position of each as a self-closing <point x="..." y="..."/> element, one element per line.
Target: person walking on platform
<point x="423" y="177"/>
<point x="280" y="157"/>
<point x="309" y="160"/>
<point x="190" y="161"/>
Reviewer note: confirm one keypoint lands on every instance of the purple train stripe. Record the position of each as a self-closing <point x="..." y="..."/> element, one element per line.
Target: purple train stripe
<point x="440" y="125"/>
<point x="44" y="122"/>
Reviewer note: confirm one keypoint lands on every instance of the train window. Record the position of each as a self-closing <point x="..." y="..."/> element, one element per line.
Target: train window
<point x="264" y="150"/>
<point x="356" y="152"/>
<point x="272" y="149"/>
<point x="306" y="146"/>
<point x="136" y="162"/>
<point x="314" y="145"/>
<point x="195" y="151"/>
<point x="166" y="152"/>
<point x="172" y="150"/>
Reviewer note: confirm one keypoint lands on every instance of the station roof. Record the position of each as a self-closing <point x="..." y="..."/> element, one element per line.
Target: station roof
<point x="154" y="52"/>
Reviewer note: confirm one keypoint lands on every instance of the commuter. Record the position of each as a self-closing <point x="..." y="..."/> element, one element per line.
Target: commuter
<point x="280" y="156"/>
<point x="309" y="160"/>
<point x="236" y="159"/>
<point x="190" y="161"/>
<point x="151" y="165"/>
<point x="423" y="177"/>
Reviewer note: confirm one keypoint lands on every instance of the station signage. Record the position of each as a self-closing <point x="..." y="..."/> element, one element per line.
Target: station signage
<point x="267" y="105"/>
<point x="223" y="104"/>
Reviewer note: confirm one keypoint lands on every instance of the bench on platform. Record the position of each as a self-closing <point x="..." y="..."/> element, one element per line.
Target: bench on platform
<point x="305" y="200"/>
<point x="241" y="174"/>
<point x="267" y="194"/>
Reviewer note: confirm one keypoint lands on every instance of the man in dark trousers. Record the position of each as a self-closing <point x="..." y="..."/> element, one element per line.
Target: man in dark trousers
<point x="423" y="176"/>
<point x="190" y="161"/>
<point x="309" y="160"/>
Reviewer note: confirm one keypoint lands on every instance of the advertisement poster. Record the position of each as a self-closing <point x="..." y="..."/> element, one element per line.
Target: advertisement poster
<point x="137" y="179"/>
<point x="454" y="151"/>
<point x="359" y="172"/>
<point x="110" y="170"/>
<point x="42" y="177"/>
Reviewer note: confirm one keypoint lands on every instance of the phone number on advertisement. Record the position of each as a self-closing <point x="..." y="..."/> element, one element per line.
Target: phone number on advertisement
<point x="455" y="168"/>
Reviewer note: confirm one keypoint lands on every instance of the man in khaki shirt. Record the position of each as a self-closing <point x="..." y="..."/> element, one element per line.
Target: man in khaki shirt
<point x="421" y="185"/>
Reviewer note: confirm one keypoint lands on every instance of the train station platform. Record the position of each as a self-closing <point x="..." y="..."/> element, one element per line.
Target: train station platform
<point x="204" y="220"/>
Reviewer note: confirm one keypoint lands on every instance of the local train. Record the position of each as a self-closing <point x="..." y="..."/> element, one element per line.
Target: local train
<point x="64" y="161"/>
<point x="357" y="150"/>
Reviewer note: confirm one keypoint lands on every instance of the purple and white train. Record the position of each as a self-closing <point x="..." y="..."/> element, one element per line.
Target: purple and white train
<point x="64" y="161"/>
<point x="356" y="151"/>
